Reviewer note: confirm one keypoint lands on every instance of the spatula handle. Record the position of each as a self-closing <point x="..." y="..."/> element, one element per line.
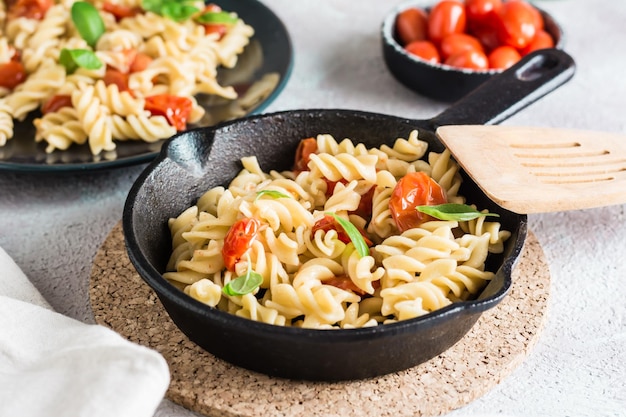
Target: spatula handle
<point x="510" y="91"/>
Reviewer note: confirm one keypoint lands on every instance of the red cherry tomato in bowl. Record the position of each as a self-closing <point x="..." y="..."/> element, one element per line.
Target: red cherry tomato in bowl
<point x="425" y="50"/>
<point x="470" y="59"/>
<point x="412" y="25"/>
<point x="518" y="22"/>
<point x="445" y="18"/>
<point x="458" y="42"/>
<point x="541" y="40"/>
<point x="414" y="189"/>
<point x="503" y="57"/>
<point x="478" y="11"/>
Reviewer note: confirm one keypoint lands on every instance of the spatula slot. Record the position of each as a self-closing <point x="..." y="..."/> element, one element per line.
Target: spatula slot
<point x="535" y="145"/>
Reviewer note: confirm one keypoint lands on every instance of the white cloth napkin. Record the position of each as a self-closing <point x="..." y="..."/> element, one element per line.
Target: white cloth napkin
<point x="52" y="365"/>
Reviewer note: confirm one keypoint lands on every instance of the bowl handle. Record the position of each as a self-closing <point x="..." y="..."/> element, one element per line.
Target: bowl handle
<point x="506" y="93"/>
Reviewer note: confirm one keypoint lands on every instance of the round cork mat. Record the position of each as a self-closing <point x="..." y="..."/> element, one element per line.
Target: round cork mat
<point x="492" y="349"/>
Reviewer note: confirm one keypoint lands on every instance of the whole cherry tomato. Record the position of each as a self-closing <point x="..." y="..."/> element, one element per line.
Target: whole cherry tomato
<point x="458" y="42"/>
<point x="414" y="189"/>
<point x="541" y="40"/>
<point x="303" y="154"/>
<point x="412" y="25"/>
<point x="503" y="57"/>
<point x="446" y="17"/>
<point x="425" y="50"/>
<point x="238" y="240"/>
<point x="31" y="9"/>
<point x="56" y="102"/>
<point x="470" y="59"/>
<point x="478" y="11"/>
<point x="517" y="23"/>
<point x="12" y="74"/>
<point x="328" y="222"/>
<point x="176" y="109"/>
<point x="486" y="31"/>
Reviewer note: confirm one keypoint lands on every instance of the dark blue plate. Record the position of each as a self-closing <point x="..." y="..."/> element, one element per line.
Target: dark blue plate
<point x="268" y="54"/>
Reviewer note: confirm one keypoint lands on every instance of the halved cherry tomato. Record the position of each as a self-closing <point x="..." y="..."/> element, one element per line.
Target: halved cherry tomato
<point x="327" y="223"/>
<point x="12" y="74"/>
<point x="446" y="17"/>
<point x="120" y="11"/>
<point x="303" y="154"/>
<point x="425" y="50"/>
<point x="176" y="109"/>
<point x="412" y="25"/>
<point x="364" y="209"/>
<point x="476" y="60"/>
<point x="31" y="9"/>
<point x="140" y="62"/>
<point x="541" y="40"/>
<point x="517" y="23"/>
<point x="414" y="189"/>
<point x="56" y="102"/>
<point x="238" y="240"/>
<point x="117" y="77"/>
<point x="458" y="42"/>
<point x="503" y="57"/>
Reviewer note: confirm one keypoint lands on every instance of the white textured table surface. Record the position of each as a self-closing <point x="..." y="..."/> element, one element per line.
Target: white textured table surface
<point x="53" y="226"/>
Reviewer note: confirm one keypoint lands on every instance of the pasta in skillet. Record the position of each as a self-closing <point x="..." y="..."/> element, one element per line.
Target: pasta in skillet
<point x="134" y="77"/>
<point x="331" y="244"/>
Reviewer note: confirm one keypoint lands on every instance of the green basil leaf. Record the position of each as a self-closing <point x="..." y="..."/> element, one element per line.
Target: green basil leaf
<point x="88" y="22"/>
<point x="353" y="233"/>
<point x="271" y="193"/>
<point x="243" y="284"/>
<point x="178" y="11"/>
<point x="72" y="59"/>
<point x="217" y="17"/>
<point x="453" y="211"/>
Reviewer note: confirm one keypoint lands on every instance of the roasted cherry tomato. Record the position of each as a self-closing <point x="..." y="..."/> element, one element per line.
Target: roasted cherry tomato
<point x="176" y="109"/>
<point x="238" y="240"/>
<point x="503" y="57"/>
<point x="303" y="154"/>
<point x="120" y="11"/>
<point x="425" y="50"/>
<point x="412" y="25"/>
<point x="541" y="40"/>
<point x="140" y="62"/>
<point x="414" y="189"/>
<point x="56" y="102"/>
<point x="31" y="9"/>
<point x="364" y="209"/>
<point x="345" y="283"/>
<point x="517" y="23"/>
<point x="327" y="223"/>
<point x="458" y="42"/>
<point x="476" y="60"/>
<point x="12" y="74"/>
<point x="117" y="77"/>
<point x="445" y="18"/>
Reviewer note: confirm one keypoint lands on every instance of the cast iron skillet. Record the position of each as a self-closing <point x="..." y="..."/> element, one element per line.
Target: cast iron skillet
<point x="197" y="160"/>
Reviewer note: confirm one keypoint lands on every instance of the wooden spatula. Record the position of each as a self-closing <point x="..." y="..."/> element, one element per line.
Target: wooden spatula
<point x="539" y="170"/>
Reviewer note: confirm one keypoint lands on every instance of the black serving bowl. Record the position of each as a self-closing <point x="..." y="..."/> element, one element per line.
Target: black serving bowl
<point x="194" y="161"/>
<point x="438" y="81"/>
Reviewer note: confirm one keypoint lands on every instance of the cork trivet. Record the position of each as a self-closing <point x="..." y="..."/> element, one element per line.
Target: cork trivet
<point x="492" y="349"/>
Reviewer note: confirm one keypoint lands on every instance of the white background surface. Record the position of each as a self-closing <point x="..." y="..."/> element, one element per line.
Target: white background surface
<point x="53" y="226"/>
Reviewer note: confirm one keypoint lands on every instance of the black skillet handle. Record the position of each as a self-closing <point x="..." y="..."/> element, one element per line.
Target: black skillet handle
<point x="505" y="94"/>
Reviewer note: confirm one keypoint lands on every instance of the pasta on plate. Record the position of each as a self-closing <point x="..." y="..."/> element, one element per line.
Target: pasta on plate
<point x="134" y="77"/>
<point x="330" y="244"/>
